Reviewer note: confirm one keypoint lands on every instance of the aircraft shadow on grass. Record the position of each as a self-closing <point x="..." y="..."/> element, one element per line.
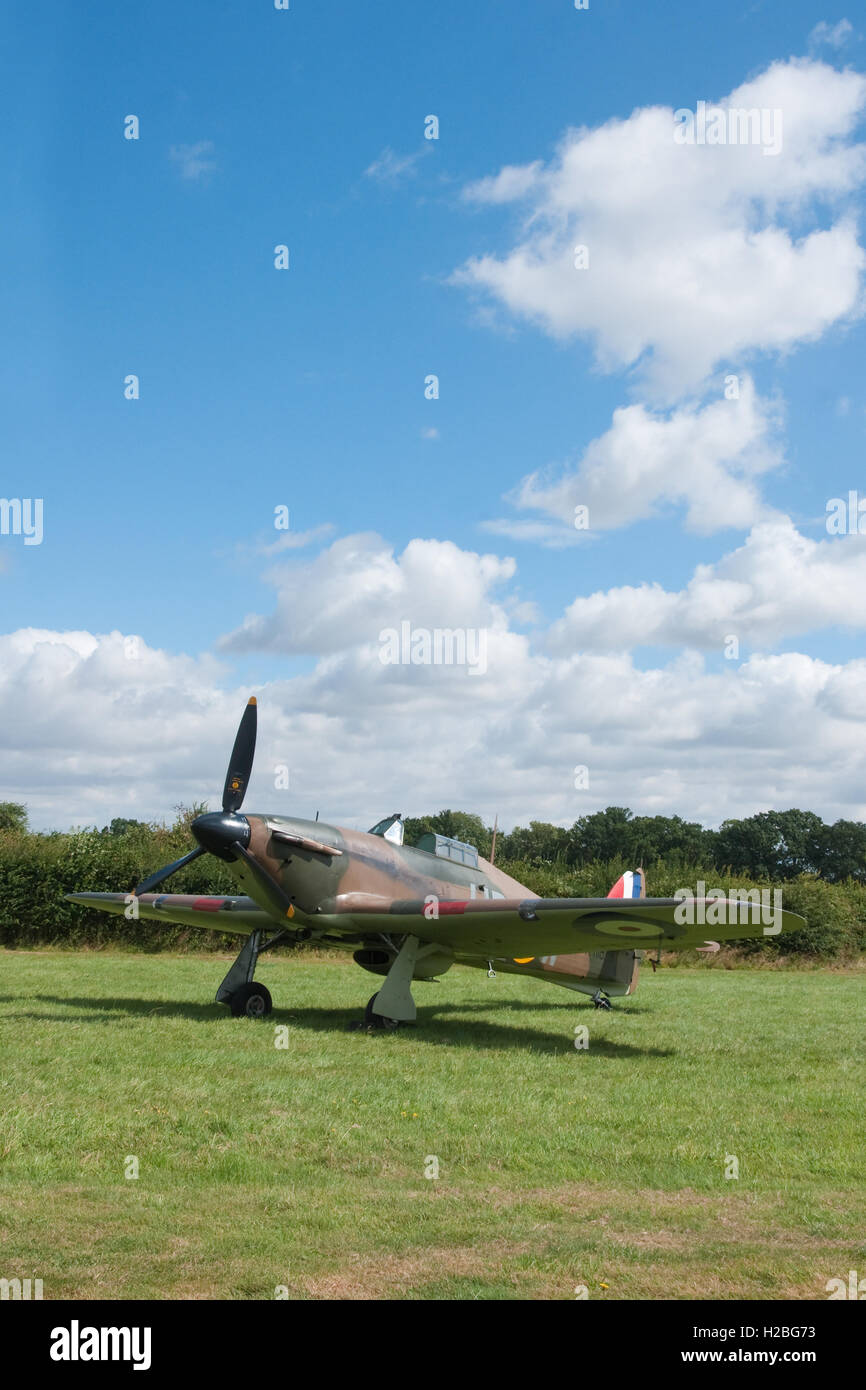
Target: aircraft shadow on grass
<point x="476" y="1032"/>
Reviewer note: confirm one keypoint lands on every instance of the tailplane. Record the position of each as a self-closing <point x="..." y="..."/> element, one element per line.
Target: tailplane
<point x="601" y="974"/>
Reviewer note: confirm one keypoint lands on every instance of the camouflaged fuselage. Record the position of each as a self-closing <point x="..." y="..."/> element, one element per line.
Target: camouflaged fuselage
<point x="369" y="880"/>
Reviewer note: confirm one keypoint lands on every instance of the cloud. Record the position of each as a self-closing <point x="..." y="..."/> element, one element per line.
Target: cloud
<point x="551" y="536"/>
<point x="82" y="715"/>
<point x="357" y="587"/>
<point x="512" y="182"/>
<point x="88" y="733"/>
<point x="699" y="255"/>
<point x="391" y="168"/>
<point x="779" y="584"/>
<point x="826" y="35"/>
<point x="194" y="162"/>
<point x="705" y="459"/>
<point x="294" y="540"/>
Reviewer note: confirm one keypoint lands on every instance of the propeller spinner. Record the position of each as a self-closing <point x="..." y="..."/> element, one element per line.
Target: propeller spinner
<point x="226" y="834"/>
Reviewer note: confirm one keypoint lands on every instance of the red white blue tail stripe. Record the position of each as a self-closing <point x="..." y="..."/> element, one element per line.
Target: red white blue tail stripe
<point x="631" y="885"/>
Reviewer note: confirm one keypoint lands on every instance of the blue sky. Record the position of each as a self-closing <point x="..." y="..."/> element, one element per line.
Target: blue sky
<point x="306" y="387"/>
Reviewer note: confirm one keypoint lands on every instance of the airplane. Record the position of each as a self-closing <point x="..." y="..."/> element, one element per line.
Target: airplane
<point x="411" y="912"/>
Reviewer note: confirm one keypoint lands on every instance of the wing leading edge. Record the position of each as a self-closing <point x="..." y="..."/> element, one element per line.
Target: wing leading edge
<point x="226" y="914"/>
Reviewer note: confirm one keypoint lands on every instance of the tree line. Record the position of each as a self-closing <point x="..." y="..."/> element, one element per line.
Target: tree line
<point x="776" y="845"/>
<point x="822" y="869"/>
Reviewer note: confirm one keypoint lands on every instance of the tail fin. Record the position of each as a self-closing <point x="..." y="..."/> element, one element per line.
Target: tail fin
<point x="612" y="972"/>
<point x="632" y="884"/>
<point x="625" y="965"/>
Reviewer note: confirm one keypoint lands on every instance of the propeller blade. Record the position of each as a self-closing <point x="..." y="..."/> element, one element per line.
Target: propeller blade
<point x="220" y="836"/>
<point x="241" y="760"/>
<point x="277" y="900"/>
<point x="147" y="885"/>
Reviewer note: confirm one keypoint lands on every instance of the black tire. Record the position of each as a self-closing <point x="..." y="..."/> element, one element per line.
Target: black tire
<point x="378" y="1021"/>
<point x="251" y="1001"/>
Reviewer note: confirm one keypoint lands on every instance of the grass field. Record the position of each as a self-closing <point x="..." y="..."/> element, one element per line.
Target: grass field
<point x="305" y="1167"/>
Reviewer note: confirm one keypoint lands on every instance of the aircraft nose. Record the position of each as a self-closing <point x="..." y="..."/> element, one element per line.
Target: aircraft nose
<point x="218" y="831"/>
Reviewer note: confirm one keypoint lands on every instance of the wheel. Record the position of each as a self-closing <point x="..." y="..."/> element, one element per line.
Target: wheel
<point x="251" y="1001"/>
<point x="378" y="1020"/>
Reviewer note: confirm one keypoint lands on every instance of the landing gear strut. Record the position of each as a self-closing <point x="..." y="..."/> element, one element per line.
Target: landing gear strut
<point x="393" y="1003"/>
<point x="244" y="997"/>
<point x="601" y="1001"/>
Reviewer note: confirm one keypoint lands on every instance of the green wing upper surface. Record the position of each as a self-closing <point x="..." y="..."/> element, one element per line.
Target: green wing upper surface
<point x="560" y="926"/>
<point x="486" y="927"/>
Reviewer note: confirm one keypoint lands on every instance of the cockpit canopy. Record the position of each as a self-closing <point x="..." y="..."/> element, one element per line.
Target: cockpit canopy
<point x="391" y="828"/>
<point x="443" y="846"/>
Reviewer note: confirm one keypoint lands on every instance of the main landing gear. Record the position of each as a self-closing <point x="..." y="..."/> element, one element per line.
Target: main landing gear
<point x="393" y="1003"/>
<point x="251" y="1001"/>
<point x="375" y="1023"/>
<point x="244" y="996"/>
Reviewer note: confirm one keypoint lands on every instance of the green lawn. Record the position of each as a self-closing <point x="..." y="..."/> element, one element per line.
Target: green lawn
<point x="305" y="1167"/>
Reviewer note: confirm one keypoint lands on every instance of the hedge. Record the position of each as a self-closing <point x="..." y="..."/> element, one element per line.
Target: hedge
<point x="37" y="870"/>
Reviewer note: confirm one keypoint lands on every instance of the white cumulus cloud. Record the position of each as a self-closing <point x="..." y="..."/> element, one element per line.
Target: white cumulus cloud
<point x="698" y="254"/>
<point x="706" y="459"/>
<point x="779" y="584"/>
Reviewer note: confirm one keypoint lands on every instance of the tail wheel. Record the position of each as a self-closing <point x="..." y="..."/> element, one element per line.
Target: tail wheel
<point x="251" y="1001"/>
<point x="378" y="1020"/>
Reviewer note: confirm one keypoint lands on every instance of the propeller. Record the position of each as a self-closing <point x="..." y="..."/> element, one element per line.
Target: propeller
<point x="148" y="884"/>
<point x="225" y="833"/>
<point x="241" y="760"/>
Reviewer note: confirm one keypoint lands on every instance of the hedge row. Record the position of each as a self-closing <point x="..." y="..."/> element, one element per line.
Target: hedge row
<point x="835" y="913"/>
<point x="37" y="870"/>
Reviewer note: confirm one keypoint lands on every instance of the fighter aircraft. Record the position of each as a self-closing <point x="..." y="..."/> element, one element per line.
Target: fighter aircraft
<point x="411" y="912"/>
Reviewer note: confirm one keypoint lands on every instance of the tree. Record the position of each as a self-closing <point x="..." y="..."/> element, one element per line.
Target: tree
<point x="542" y="843"/>
<point x="121" y="826"/>
<point x="463" y="825"/>
<point x="801" y="842"/>
<point x="843" y="848"/>
<point x="746" y="846"/>
<point x="13" y="815"/>
<point x="414" y="827"/>
<point x="651" y="838"/>
<point x="457" y="825"/>
<point x="603" y="835"/>
<point x="772" y="844"/>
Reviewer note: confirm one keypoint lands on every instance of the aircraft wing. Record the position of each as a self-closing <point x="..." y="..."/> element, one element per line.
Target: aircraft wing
<point x="227" y="914"/>
<point x="497" y="927"/>
<point x="529" y="927"/>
